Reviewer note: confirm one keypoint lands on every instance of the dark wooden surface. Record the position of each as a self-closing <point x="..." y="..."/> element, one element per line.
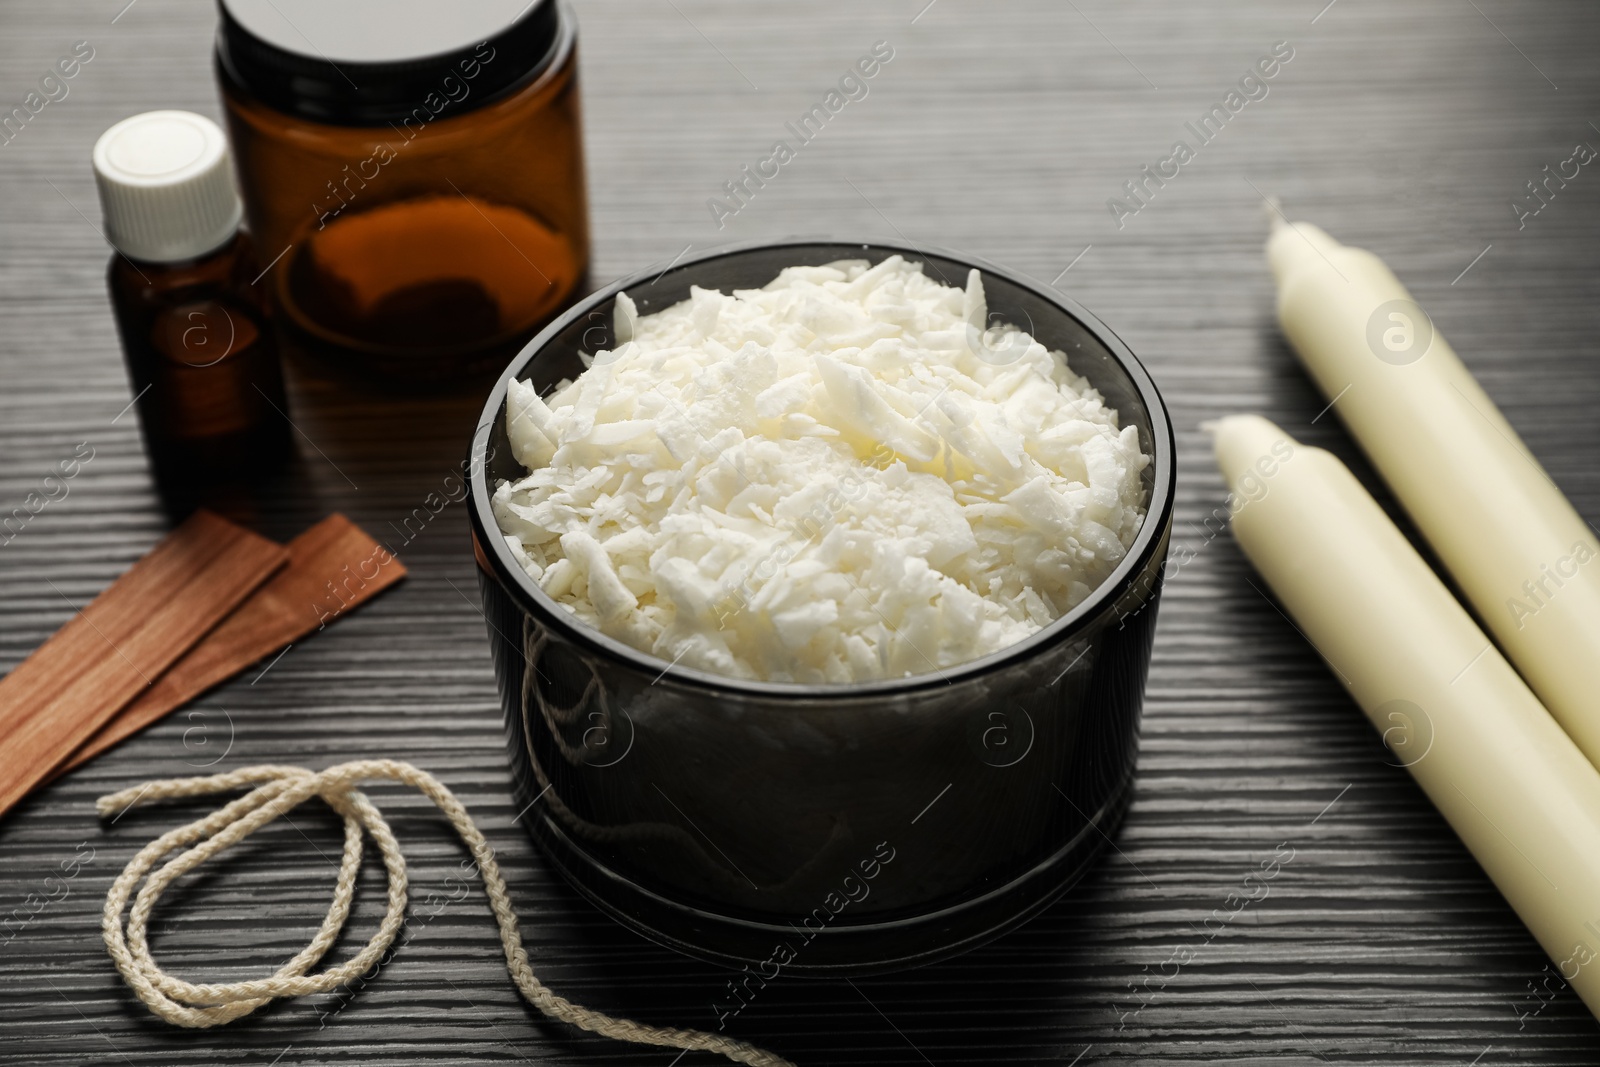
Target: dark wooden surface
<point x="999" y="129"/>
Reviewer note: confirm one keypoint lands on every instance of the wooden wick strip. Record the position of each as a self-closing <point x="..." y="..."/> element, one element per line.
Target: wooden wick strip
<point x="125" y="639"/>
<point x="333" y="567"/>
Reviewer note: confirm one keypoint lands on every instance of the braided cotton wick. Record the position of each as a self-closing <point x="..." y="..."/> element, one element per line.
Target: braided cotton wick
<point x="276" y="791"/>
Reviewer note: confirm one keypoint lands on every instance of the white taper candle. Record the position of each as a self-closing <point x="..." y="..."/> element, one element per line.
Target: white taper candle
<point x="1526" y="560"/>
<point x="1512" y="784"/>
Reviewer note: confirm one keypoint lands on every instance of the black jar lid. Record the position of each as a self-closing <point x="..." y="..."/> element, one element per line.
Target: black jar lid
<point x="369" y="62"/>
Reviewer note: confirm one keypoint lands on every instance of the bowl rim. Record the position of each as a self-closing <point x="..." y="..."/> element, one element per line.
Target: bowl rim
<point x="491" y="548"/>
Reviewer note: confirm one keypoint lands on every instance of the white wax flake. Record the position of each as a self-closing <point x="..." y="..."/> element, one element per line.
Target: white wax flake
<point x="846" y="475"/>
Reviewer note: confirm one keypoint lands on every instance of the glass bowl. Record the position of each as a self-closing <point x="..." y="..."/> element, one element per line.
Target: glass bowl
<point x="825" y="830"/>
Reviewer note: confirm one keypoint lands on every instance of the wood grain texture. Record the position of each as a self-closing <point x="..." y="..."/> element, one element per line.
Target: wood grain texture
<point x="333" y="568"/>
<point x="999" y="129"/>
<point x="115" y="647"/>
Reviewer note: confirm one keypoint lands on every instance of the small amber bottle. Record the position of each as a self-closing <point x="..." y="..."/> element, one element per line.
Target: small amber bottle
<point x="200" y="350"/>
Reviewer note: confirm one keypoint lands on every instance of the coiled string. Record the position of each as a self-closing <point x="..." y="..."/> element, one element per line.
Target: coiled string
<point x="277" y="790"/>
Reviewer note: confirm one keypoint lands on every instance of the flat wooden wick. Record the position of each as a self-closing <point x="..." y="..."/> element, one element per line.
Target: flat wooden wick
<point x="122" y="642"/>
<point x="333" y="568"/>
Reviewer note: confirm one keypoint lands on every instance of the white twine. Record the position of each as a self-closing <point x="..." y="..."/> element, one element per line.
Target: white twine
<point x="276" y="791"/>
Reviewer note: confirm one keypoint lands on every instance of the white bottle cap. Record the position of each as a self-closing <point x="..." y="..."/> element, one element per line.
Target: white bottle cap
<point x="166" y="186"/>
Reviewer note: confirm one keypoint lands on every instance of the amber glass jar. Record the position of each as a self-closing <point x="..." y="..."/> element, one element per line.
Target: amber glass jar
<point x="413" y="170"/>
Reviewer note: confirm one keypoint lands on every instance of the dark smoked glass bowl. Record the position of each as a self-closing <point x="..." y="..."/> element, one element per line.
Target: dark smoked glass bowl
<point x="825" y="829"/>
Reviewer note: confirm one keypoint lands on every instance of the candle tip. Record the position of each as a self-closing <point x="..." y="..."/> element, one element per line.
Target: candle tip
<point x="1241" y="441"/>
<point x="1274" y="211"/>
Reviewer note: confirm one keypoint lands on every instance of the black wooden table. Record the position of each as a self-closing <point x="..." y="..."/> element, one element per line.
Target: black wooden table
<point x="999" y="129"/>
